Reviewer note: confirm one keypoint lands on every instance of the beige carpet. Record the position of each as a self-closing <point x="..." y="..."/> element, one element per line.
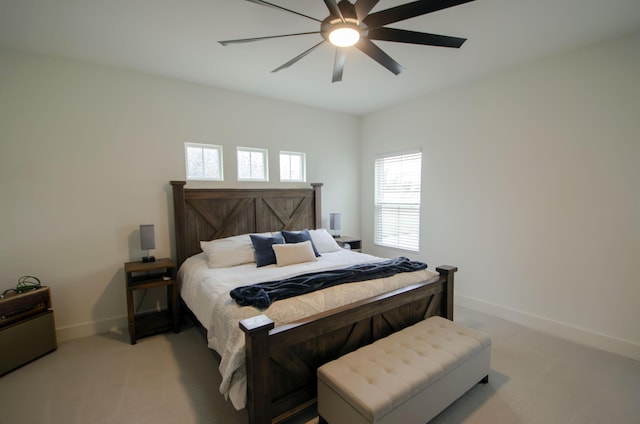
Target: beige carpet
<point x="173" y="378"/>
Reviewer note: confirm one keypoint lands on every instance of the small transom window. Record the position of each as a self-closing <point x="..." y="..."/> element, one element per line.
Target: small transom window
<point x="203" y="162"/>
<point x="292" y="167"/>
<point x="252" y="164"/>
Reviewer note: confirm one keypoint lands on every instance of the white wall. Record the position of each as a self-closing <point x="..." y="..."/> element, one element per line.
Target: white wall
<point x="531" y="186"/>
<point x="86" y="154"/>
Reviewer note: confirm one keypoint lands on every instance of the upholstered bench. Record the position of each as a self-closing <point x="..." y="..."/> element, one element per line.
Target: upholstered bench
<point x="407" y="377"/>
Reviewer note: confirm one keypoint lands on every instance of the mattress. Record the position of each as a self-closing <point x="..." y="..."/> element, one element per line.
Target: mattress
<point x="206" y="292"/>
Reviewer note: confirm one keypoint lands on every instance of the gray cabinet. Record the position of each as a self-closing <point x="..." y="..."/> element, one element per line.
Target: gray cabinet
<point x="27" y="328"/>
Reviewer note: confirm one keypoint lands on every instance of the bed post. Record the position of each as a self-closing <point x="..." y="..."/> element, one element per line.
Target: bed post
<point x="256" y="336"/>
<point x="317" y="193"/>
<point x="179" y="220"/>
<point x="448" y="272"/>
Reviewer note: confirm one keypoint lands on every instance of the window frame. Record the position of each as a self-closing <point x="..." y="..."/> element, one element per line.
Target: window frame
<point x="265" y="163"/>
<point x="405" y="233"/>
<point x="203" y="146"/>
<point x="303" y="166"/>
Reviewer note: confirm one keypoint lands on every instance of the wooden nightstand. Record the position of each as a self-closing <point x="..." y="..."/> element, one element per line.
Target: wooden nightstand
<point x="355" y="243"/>
<point x="145" y="275"/>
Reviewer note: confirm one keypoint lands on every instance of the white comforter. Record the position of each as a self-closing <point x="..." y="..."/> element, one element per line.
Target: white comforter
<point x="206" y="292"/>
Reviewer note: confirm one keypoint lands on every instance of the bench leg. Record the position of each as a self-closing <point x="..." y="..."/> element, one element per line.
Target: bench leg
<point x="485" y="380"/>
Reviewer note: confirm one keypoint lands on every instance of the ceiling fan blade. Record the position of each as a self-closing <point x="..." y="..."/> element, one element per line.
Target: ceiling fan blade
<point x="334" y="10"/>
<point x="297" y="58"/>
<point x="266" y="3"/>
<point x="409" y="10"/>
<point x="363" y="7"/>
<point x="338" y="66"/>
<point x="249" y="40"/>
<point x="413" y="37"/>
<point x="375" y="53"/>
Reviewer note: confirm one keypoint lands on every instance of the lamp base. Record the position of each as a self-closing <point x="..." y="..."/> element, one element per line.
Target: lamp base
<point x="149" y="259"/>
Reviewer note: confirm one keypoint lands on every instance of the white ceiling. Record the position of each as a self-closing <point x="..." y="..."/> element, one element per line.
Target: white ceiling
<point x="178" y="39"/>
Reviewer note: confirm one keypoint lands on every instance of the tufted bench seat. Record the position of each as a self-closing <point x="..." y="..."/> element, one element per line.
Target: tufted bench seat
<point x="407" y="377"/>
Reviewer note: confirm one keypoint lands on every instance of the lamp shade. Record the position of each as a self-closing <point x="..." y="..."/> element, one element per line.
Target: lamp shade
<point x="334" y="221"/>
<point x="147" y="237"/>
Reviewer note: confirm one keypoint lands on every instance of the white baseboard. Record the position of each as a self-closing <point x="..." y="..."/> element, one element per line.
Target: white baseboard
<point x="565" y="331"/>
<point x="112" y="325"/>
<point x="575" y="334"/>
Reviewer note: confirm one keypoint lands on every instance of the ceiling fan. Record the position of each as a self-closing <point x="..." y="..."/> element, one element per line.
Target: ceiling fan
<point x="351" y="24"/>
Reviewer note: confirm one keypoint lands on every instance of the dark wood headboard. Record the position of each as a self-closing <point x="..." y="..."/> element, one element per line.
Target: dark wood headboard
<point x="207" y="214"/>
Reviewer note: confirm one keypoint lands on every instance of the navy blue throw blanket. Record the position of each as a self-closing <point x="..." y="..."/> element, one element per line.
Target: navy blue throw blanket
<point x="261" y="295"/>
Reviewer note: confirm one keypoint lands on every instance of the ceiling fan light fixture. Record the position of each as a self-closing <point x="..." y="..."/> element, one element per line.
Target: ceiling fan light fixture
<point x="344" y="36"/>
<point x="352" y="23"/>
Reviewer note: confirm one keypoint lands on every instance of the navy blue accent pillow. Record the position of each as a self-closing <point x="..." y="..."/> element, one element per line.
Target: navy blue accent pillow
<point x="297" y="237"/>
<point x="262" y="248"/>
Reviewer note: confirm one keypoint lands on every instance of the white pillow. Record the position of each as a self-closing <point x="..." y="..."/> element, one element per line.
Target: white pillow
<point x="294" y="253"/>
<point x="230" y="251"/>
<point x="324" y="242"/>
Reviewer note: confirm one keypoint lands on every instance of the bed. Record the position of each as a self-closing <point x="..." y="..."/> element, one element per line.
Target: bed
<point x="282" y="346"/>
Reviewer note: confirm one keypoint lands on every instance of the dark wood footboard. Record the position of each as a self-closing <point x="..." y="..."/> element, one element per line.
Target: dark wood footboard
<point x="282" y="361"/>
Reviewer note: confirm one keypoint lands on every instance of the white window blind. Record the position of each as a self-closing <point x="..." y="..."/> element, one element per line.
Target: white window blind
<point x="397" y="200"/>
<point x="203" y="161"/>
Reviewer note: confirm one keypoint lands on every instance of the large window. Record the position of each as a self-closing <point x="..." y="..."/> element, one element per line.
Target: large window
<point x="397" y="200"/>
<point x="252" y="164"/>
<point x="203" y="161"/>
<point x="292" y="167"/>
